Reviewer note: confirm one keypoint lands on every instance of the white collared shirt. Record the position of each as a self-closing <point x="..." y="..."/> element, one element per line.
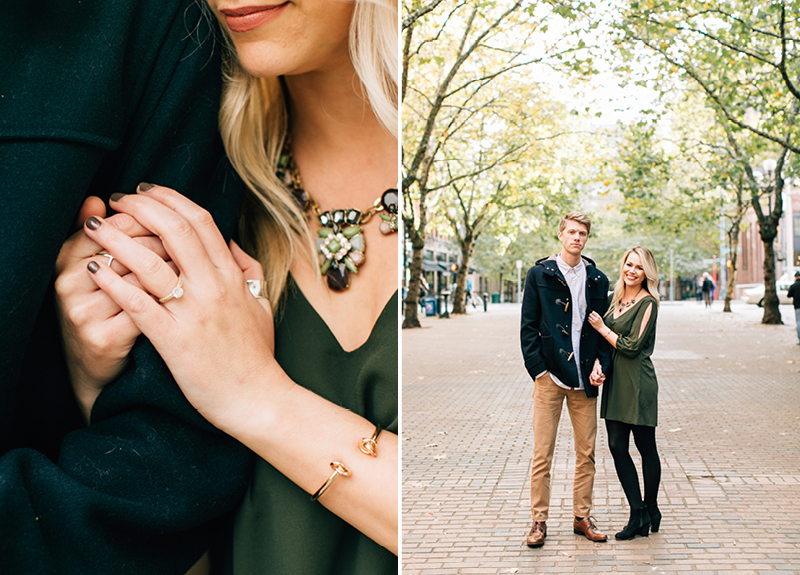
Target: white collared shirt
<point x="576" y="281"/>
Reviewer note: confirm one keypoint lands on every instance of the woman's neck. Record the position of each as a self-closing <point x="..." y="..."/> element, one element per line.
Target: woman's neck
<point x="632" y="291"/>
<point x="338" y="141"/>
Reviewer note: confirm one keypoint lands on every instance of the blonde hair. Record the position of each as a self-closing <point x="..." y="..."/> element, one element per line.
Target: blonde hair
<point x="254" y="124"/>
<point x="650" y="283"/>
<point x="575" y="217"/>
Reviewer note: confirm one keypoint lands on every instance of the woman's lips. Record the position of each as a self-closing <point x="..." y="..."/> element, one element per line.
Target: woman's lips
<point x="251" y="17"/>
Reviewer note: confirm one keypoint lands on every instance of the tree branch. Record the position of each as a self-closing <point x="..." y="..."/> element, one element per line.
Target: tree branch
<point x="411" y="18"/>
<point x="718" y="101"/>
<point x="782" y="66"/>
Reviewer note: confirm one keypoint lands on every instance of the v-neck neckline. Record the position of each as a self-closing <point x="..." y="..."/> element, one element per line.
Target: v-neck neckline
<point x="386" y="309"/>
<point x="630" y="307"/>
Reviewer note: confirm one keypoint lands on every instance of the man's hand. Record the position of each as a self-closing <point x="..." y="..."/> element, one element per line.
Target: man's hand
<point x="597" y="378"/>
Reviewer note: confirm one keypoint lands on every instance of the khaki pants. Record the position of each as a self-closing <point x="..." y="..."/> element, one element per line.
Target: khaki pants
<point x="548" y="399"/>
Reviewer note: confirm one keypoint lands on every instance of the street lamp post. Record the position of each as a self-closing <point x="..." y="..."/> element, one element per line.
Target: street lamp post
<point x="671" y="277"/>
<point x="519" y="281"/>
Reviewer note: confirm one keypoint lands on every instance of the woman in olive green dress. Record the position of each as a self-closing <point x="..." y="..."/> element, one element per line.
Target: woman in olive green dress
<point x="309" y="118"/>
<point x="630" y="399"/>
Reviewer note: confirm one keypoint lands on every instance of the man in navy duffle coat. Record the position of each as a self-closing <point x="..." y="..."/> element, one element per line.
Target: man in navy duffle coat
<point x="568" y="360"/>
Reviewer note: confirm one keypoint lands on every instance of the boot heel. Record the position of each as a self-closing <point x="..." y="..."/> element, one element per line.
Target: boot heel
<point x="655" y="518"/>
<point x="645" y="530"/>
<point x="655" y="525"/>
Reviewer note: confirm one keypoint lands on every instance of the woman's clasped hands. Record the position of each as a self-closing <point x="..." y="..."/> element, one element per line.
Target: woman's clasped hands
<point x="197" y="311"/>
<point x="97" y="334"/>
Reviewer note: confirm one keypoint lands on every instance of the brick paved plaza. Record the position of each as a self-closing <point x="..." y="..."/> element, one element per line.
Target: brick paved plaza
<point x="728" y="436"/>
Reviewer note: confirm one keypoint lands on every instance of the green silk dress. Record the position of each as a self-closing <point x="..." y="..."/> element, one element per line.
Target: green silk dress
<point x="278" y="528"/>
<point x="631" y="396"/>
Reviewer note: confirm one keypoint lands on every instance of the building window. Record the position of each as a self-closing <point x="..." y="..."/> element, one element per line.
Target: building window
<point x="796" y="228"/>
<point x="427" y="255"/>
<point x="441" y="257"/>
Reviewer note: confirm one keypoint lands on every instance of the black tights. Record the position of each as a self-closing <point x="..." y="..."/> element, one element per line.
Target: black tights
<point x="619" y="434"/>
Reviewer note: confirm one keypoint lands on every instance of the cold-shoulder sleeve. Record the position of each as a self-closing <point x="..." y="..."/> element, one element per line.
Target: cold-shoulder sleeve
<point x="643" y="326"/>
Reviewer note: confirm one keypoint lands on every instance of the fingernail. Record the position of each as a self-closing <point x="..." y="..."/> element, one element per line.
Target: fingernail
<point x="117" y="196"/>
<point x="93" y="223"/>
<point x="93" y="267"/>
<point x="144" y="186"/>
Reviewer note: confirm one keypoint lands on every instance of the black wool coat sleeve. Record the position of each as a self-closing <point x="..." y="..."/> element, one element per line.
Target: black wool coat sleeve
<point x="95" y="97"/>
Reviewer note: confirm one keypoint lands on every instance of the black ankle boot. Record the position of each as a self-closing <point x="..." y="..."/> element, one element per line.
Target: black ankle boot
<point x="655" y="516"/>
<point x="638" y="524"/>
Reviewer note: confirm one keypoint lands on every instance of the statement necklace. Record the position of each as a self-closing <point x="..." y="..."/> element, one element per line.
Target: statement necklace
<point x="623" y="305"/>
<point x="340" y="243"/>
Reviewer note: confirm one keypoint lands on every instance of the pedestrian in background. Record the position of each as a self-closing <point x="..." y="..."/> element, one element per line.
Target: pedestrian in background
<point x="708" y="289"/>
<point x="630" y="399"/>
<point x="794" y="293"/>
<point x="565" y="361"/>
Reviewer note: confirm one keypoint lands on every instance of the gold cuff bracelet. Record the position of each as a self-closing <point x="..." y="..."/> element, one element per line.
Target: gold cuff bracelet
<point x="369" y="445"/>
<point x="338" y="469"/>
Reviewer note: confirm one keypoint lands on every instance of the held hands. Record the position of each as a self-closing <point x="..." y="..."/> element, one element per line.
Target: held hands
<point x="97" y="334"/>
<point x="597" y="378"/>
<point x="215" y="337"/>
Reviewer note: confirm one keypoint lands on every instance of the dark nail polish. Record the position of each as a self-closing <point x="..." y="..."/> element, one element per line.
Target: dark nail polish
<point x="117" y="196"/>
<point x="144" y="186"/>
<point x="93" y="223"/>
<point x="93" y="267"/>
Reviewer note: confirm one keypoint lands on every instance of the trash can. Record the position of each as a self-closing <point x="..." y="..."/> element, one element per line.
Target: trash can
<point x="496" y="297"/>
<point x="430" y="305"/>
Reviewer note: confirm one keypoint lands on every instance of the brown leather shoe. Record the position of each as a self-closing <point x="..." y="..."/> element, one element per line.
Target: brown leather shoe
<point x="585" y="526"/>
<point x="537" y="535"/>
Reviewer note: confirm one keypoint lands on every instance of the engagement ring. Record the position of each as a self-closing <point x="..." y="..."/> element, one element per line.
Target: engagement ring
<point x="176" y="293"/>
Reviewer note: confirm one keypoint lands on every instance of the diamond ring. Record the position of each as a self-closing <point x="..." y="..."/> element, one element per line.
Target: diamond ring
<point x="176" y="293"/>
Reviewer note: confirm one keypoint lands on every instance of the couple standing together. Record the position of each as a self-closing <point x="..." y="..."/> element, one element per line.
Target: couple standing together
<point x="576" y="338"/>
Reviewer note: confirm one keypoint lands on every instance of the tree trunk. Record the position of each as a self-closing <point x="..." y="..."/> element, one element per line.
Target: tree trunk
<point x="460" y="297"/>
<point x="772" y="312"/>
<point x="411" y="318"/>
<point x="733" y="242"/>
